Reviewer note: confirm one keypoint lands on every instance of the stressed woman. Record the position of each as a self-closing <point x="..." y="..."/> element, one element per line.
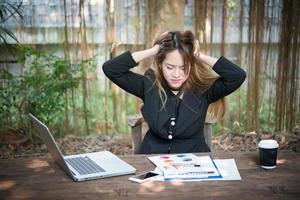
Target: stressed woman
<point x="177" y="92"/>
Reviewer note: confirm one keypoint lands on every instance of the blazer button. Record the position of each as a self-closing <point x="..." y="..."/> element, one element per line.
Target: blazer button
<point x="172" y="123"/>
<point x="170" y="137"/>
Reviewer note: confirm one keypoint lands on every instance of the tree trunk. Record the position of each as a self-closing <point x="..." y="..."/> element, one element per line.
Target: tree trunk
<point x="239" y="57"/>
<point x="224" y="27"/>
<point x="84" y="55"/>
<point x="67" y="56"/>
<point x="259" y="27"/>
<point x="250" y="75"/>
<point x="74" y="56"/>
<point x="211" y="25"/>
<point x="110" y="49"/>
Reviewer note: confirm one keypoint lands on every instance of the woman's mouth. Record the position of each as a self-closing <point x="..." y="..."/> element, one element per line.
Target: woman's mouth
<point x="175" y="81"/>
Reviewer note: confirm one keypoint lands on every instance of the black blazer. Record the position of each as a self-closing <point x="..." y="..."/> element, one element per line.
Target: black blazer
<point x="188" y="135"/>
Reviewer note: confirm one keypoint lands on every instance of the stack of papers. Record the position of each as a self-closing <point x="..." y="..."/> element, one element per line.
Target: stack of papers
<point x="189" y="167"/>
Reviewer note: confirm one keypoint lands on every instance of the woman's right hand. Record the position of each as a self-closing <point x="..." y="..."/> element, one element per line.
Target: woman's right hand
<point x="147" y="53"/>
<point x="155" y="49"/>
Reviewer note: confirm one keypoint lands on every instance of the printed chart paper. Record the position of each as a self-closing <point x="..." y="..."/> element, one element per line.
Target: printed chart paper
<point x="186" y="166"/>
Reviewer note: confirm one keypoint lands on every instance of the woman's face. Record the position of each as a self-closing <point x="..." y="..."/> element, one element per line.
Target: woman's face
<point x="173" y="70"/>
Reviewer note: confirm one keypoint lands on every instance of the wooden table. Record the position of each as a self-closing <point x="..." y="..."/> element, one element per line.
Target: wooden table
<point x="41" y="178"/>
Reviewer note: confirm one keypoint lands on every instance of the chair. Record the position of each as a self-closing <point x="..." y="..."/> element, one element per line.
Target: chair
<point x="139" y="128"/>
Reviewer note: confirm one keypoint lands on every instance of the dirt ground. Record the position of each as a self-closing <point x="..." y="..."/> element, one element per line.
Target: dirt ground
<point x="14" y="145"/>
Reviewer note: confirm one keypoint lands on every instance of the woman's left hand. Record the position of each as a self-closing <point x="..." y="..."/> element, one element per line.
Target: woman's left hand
<point x="205" y="59"/>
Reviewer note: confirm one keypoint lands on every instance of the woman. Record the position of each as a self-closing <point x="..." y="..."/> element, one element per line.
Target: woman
<point x="177" y="93"/>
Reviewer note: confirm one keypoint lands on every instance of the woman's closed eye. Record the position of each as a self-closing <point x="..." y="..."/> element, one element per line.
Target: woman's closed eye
<point x="182" y="68"/>
<point x="170" y="66"/>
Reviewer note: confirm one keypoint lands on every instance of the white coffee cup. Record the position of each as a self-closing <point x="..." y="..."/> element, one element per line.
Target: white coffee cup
<point x="268" y="153"/>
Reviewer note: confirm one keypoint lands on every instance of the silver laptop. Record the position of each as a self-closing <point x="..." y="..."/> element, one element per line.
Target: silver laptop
<point x="83" y="167"/>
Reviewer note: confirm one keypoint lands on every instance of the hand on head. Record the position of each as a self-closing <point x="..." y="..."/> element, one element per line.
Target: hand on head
<point x="156" y="48"/>
<point x="157" y="45"/>
<point x="197" y="52"/>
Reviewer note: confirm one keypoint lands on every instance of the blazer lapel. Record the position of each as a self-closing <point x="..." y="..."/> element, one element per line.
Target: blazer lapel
<point x="190" y="110"/>
<point x="164" y="115"/>
<point x="155" y="116"/>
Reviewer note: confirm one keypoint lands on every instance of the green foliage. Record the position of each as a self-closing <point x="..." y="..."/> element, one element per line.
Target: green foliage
<point x="7" y="96"/>
<point x="41" y="89"/>
<point x="46" y="79"/>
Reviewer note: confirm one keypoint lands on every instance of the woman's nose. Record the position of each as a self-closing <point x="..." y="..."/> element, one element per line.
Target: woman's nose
<point x="176" y="72"/>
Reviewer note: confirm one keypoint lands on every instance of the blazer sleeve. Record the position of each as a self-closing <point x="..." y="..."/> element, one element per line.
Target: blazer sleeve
<point x="118" y="71"/>
<point x="231" y="78"/>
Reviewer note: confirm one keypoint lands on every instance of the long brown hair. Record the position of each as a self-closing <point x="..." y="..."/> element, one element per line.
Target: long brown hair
<point x="201" y="76"/>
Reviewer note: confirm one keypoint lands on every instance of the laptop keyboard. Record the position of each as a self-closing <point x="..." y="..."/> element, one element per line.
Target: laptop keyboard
<point x="84" y="165"/>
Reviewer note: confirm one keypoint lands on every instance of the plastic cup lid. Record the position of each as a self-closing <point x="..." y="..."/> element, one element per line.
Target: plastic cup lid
<point x="268" y="144"/>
